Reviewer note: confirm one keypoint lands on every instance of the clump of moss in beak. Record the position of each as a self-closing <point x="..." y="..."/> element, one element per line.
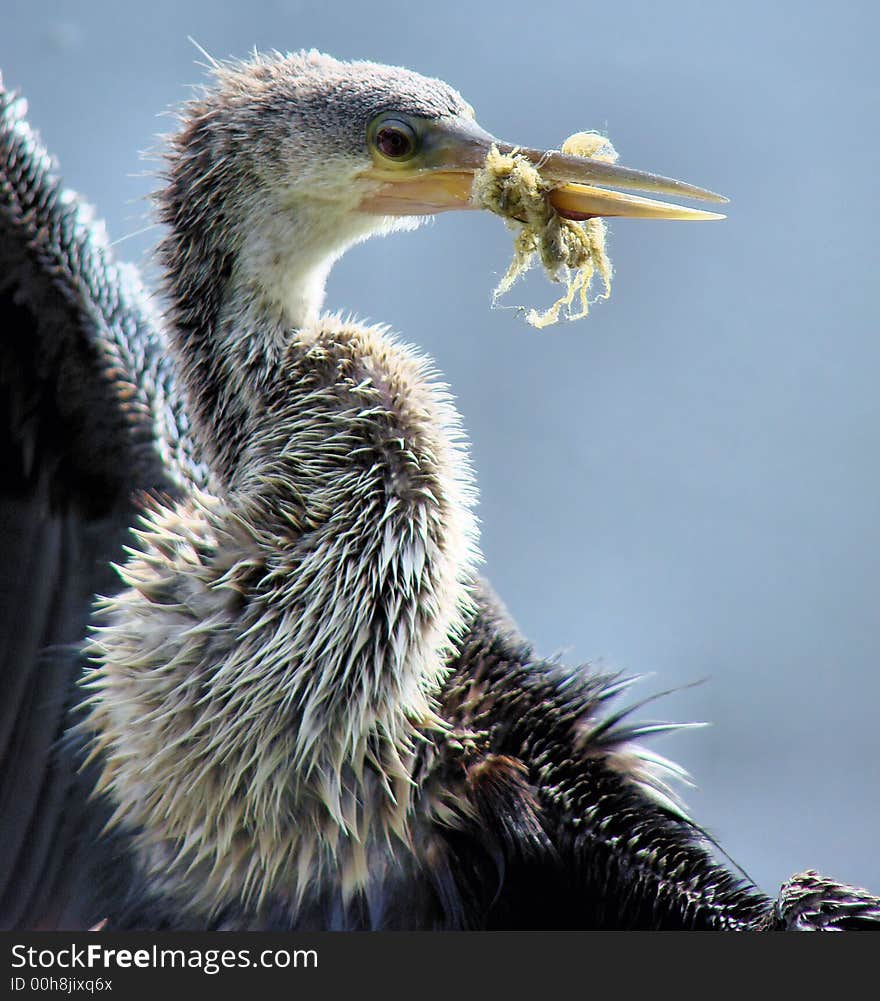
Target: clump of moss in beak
<point x="570" y="251"/>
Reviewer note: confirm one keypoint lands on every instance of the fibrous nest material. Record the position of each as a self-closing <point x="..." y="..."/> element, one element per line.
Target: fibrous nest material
<point x="511" y="186"/>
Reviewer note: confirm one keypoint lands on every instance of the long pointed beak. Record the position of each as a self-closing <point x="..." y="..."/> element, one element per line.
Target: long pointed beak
<point x="581" y="186"/>
<point x="576" y="195"/>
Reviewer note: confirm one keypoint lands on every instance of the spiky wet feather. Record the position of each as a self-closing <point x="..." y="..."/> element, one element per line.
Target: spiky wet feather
<point x="281" y="646"/>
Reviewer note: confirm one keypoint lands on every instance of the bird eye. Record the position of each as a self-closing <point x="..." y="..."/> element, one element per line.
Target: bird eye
<point x="395" y="140"/>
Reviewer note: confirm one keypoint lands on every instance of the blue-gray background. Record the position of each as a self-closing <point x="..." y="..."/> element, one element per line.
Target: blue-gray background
<point x="687" y="482"/>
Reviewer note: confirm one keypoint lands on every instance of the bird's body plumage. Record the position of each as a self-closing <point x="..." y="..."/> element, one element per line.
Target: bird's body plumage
<point x="302" y="707"/>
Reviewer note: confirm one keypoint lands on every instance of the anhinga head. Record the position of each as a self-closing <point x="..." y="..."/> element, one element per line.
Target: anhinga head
<point x="288" y="160"/>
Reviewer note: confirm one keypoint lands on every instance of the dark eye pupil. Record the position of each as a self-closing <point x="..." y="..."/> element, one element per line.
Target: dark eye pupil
<point x="393" y="142"/>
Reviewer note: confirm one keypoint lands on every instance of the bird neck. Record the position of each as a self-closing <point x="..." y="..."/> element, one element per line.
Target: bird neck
<point x="238" y="292"/>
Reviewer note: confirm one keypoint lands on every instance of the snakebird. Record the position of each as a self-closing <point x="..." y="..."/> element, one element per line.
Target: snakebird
<point x="297" y="705"/>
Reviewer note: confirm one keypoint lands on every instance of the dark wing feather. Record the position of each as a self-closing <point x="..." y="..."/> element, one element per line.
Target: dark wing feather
<point x="84" y="426"/>
<point x="579" y="828"/>
<point x="614" y="849"/>
<point x="811" y="902"/>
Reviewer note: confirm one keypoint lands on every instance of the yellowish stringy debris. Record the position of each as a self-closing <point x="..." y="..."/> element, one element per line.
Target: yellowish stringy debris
<point x="512" y="187"/>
